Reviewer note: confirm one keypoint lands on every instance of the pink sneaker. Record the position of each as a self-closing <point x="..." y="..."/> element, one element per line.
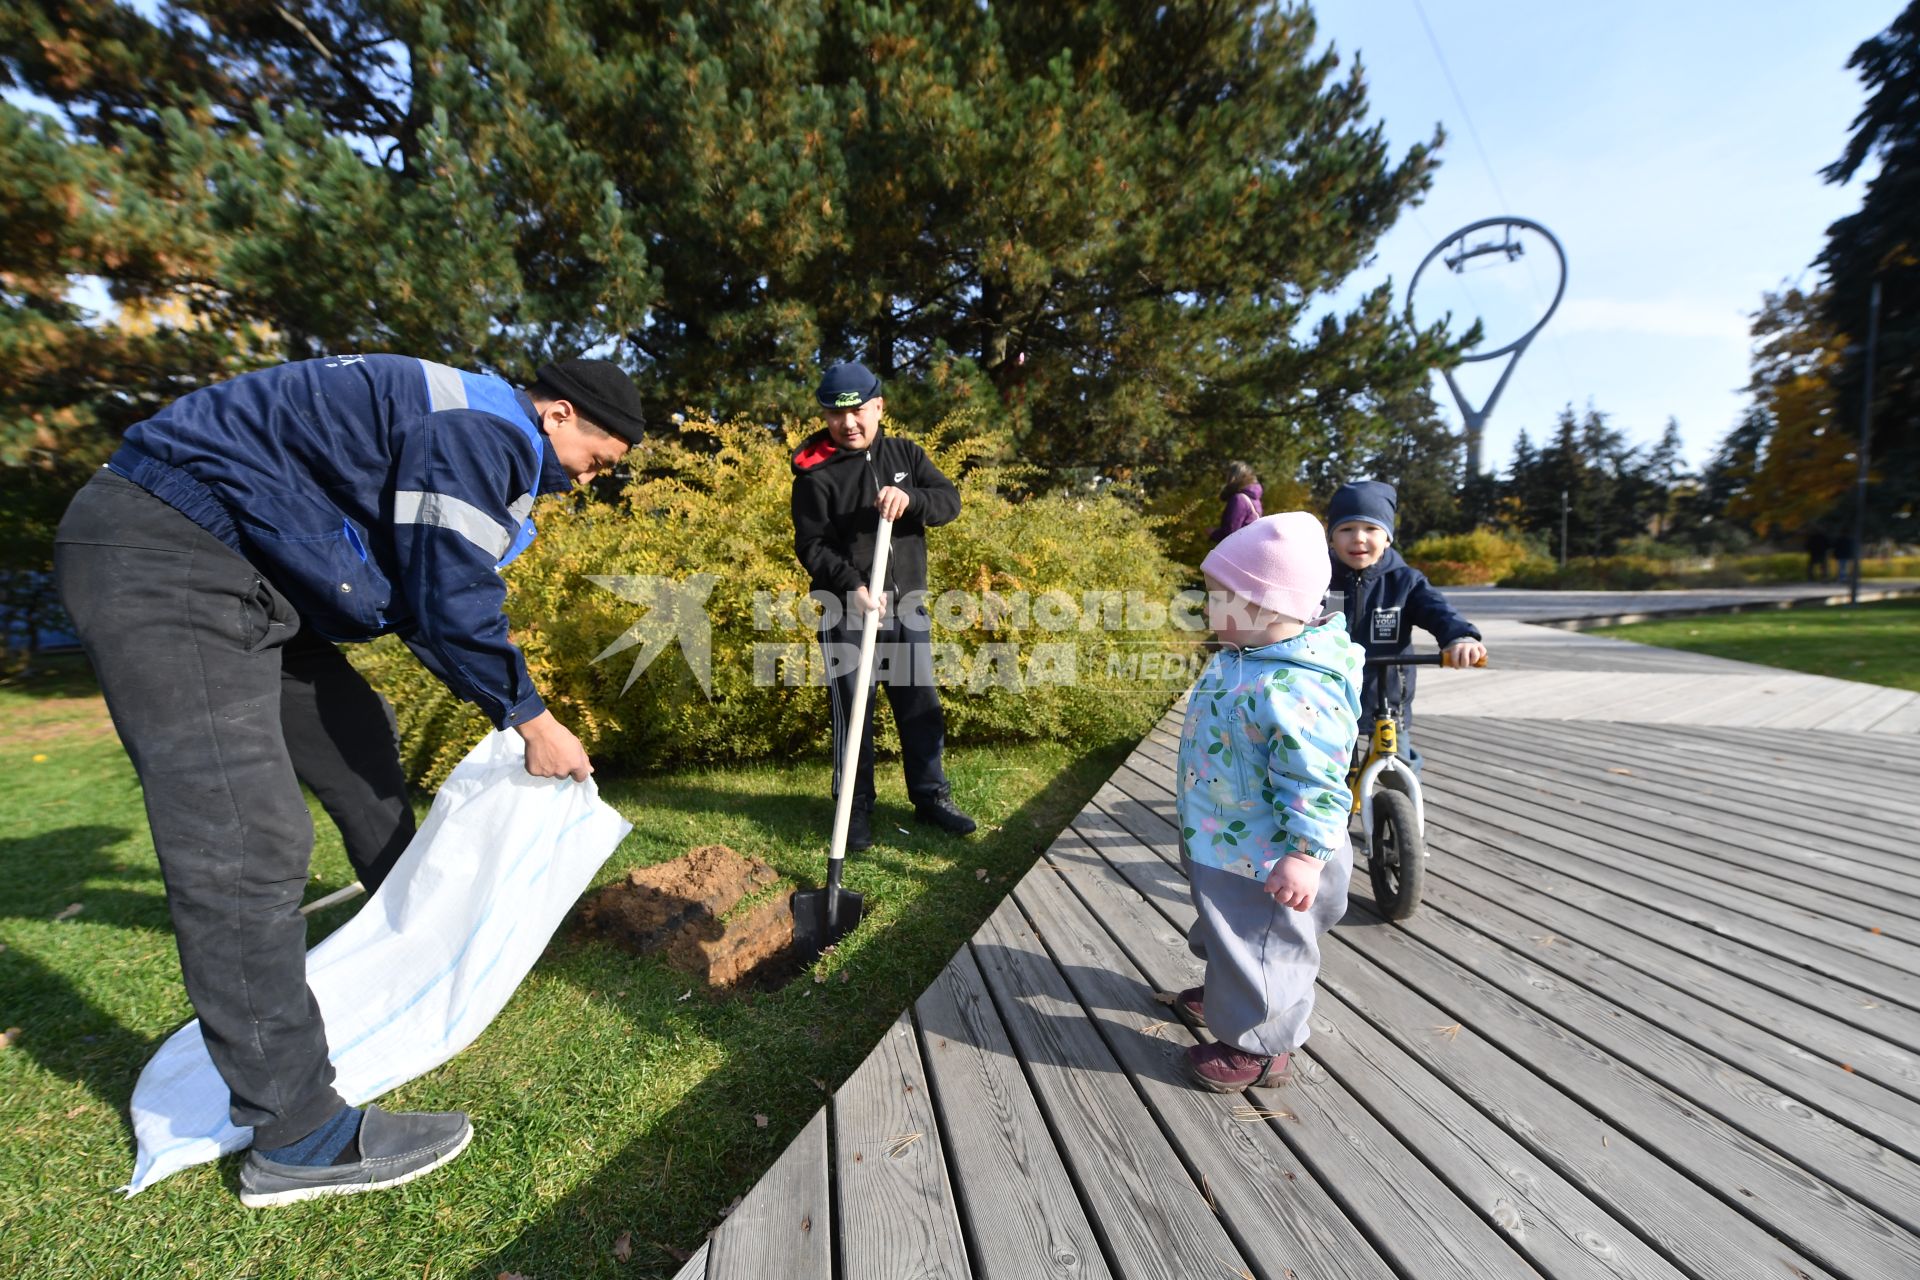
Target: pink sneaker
<point x="1191" y="1005"/>
<point x="1225" y="1069"/>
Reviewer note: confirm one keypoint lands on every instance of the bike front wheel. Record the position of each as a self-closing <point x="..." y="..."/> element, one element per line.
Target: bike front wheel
<point x="1396" y="855"/>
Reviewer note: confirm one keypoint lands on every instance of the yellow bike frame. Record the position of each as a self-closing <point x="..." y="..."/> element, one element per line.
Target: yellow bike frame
<point x="1384" y="742"/>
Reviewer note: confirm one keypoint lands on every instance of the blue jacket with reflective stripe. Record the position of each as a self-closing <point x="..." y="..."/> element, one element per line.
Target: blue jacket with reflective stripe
<point x="377" y="493"/>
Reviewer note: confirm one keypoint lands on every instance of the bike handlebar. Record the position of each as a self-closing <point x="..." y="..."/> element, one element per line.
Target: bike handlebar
<point x="1415" y="660"/>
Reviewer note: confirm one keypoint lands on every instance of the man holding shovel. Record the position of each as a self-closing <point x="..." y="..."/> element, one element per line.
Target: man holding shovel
<point x="846" y="480"/>
<point x="206" y="567"/>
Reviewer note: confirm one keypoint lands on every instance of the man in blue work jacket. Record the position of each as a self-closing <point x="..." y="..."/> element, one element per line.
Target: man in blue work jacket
<point x="207" y="568"/>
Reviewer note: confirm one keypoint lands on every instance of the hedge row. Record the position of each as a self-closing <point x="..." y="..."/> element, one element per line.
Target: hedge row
<point x="1029" y="655"/>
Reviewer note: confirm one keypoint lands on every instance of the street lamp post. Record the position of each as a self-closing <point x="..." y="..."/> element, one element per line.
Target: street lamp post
<point x="1866" y="447"/>
<point x="1563" y="528"/>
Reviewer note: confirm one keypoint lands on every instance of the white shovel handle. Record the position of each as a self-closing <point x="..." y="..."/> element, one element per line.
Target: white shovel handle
<point x="857" y="715"/>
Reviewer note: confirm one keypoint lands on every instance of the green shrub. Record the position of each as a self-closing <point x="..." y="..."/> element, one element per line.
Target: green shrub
<point x="1784" y="566"/>
<point x="1891" y="567"/>
<point x="700" y="510"/>
<point x="1455" y="573"/>
<point x="1467" y="559"/>
<point x="1584" y="573"/>
<point x="1674" y="554"/>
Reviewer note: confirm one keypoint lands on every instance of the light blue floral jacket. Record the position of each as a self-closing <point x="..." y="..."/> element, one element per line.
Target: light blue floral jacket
<point x="1264" y="753"/>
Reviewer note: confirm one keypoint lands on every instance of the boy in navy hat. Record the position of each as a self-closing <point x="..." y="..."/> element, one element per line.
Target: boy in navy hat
<point x="1386" y="598"/>
<point x="846" y="478"/>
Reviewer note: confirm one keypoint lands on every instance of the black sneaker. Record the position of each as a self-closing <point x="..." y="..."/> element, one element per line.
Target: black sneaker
<point x="395" y="1148"/>
<point x="942" y="813"/>
<point x="859" y="829"/>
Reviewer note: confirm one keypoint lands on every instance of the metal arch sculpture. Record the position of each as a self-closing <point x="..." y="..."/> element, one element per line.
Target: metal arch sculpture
<point x="1475" y="419"/>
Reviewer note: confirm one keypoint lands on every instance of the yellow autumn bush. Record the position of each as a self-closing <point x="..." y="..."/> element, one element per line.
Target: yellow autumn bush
<point x="1024" y="653"/>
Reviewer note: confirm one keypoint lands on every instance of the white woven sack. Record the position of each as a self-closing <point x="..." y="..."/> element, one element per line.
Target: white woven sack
<point x="418" y="974"/>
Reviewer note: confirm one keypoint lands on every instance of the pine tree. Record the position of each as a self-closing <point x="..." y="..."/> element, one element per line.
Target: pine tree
<point x="1881" y="242"/>
<point x="1421" y="458"/>
<point x="1104" y="218"/>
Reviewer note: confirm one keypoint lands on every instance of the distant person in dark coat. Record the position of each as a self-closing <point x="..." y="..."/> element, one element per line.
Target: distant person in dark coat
<point x="1242" y="496"/>
<point x="1843" y="550"/>
<point x="1817" y="547"/>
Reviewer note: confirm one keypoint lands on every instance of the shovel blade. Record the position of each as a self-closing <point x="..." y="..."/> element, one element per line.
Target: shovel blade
<point x="811" y="932"/>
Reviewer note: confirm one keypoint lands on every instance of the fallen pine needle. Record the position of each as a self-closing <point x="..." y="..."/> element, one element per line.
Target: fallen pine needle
<point x="1451" y="1033"/>
<point x="899" y="1146"/>
<point x="1155" y="1028"/>
<point x="1248" y="1113"/>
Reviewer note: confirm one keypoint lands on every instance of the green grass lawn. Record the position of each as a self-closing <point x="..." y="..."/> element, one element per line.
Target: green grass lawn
<point x="1878" y="643"/>
<point x="610" y="1098"/>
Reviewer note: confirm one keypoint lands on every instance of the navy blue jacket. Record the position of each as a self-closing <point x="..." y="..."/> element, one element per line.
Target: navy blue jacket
<point x="1384" y="603"/>
<point x="377" y="493"/>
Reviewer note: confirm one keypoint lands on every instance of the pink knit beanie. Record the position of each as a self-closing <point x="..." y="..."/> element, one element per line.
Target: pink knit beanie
<point x="1278" y="562"/>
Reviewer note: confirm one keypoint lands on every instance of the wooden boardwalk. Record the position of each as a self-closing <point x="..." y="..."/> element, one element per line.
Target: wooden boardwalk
<point x="1546" y="673"/>
<point x="1658" y="1016"/>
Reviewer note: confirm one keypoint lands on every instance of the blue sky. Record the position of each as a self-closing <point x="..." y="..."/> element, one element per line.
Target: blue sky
<point x="1674" y="149"/>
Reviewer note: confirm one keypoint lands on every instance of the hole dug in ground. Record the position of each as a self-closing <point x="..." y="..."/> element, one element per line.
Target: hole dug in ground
<point x="709" y="911"/>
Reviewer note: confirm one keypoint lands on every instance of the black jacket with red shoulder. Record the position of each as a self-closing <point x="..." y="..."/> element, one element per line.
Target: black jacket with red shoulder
<point x="834" y="520"/>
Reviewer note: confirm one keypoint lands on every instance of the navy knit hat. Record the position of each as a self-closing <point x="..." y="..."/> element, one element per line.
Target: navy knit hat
<point x="1367" y="501"/>
<point x="601" y="391"/>
<point x="847" y="386"/>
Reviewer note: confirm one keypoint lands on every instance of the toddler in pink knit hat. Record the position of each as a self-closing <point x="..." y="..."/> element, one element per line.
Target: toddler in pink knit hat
<point x="1263" y="799"/>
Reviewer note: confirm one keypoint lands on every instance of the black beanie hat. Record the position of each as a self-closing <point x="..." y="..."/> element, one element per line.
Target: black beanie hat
<point x="847" y="386"/>
<point x="1368" y="501"/>
<point x="602" y="392"/>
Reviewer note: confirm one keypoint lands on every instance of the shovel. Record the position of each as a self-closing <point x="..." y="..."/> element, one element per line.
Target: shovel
<point x="821" y="917"/>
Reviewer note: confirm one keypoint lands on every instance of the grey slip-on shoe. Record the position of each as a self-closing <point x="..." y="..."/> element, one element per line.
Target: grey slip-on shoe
<point x="395" y="1148"/>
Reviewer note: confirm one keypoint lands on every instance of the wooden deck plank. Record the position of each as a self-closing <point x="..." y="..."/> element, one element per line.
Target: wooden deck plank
<point x="1746" y="749"/>
<point x="896" y="1213"/>
<point x="1773" y="698"/>
<point x="1689" y="759"/>
<point x="1739" y="698"/>
<point x="1822" y="1053"/>
<point x="1894" y="1192"/>
<point x="1023" y="1214"/>
<point x="1707" y="758"/>
<point x="1851" y="1044"/>
<point x="1551" y="1225"/>
<point x="695" y="1267"/>
<point x="1690" y="1226"/>
<point x="1761" y="964"/>
<point x="1152" y="1220"/>
<point x="1635" y="698"/>
<point x="1846" y="1235"/>
<point x="1832" y="923"/>
<point x="1900" y="716"/>
<point x="1754" y="861"/>
<point x="1808" y="936"/>
<point x="1686" y="783"/>
<point x="783" y="1228"/>
<point x="1867" y="1169"/>
<point x="1853" y="750"/>
<point x="1559" y="1228"/>
<point x="1621" y="1040"/>
<point x="1269" y="1200"/>
<point x="1684" y="1221"/>
<point x="1837" y="702"/>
